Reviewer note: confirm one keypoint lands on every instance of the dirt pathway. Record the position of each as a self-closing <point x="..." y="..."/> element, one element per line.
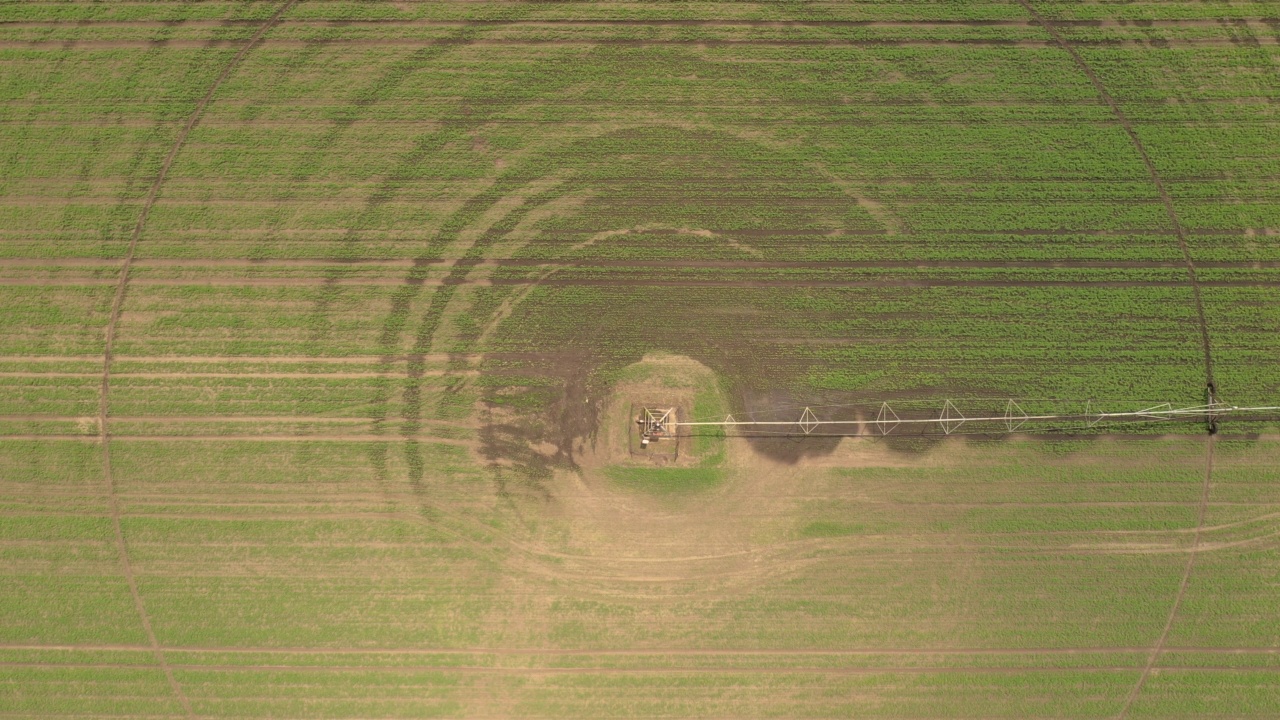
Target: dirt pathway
<point x="1159" y="647"/>
<point x="116" y="304"/>
<point x="687" y="652"/>
<point x="1154" y="174"/>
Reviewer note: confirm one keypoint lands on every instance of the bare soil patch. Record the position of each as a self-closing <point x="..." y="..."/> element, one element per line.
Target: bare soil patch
<point x="720" y="512"/>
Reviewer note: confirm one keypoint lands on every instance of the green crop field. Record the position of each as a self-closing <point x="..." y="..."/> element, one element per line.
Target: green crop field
<point x="324" y="323"/>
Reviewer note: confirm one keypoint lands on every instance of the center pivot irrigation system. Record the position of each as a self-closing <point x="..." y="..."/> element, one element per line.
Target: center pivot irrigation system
<point x="658" y="423"/>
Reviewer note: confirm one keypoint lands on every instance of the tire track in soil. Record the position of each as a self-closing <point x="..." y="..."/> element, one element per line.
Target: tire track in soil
<point x="729" y="670"/>
<point x="1204" y="332"/>
<point x="410" y="288"/>
<point x="1152" y="172"/>
<point x="229" y="359"/>
<point x="118" y="219"/>
<point x="1045" y="437"/>
<point x="868" y="43"/>
<point x="281" y="419"/>
<point x="1067" y="263"/>
<point x="1159" y="647"/>
<point x="230" y="375"/>
<point x="117" y="303"/>
<point x="623" y="22"/>
<point x="437" y="320"/>
<point x="384" y="192"/>
<point x="346" y="438"/>
<point x="494" y="440"/>
<point x="388" y="188"/>
<point x="877" y="105"/>
<point x="433" y="315"/>
<point x="451" y="283"/>
<point x="645" y="652"/>
<point x="196" y="494"/>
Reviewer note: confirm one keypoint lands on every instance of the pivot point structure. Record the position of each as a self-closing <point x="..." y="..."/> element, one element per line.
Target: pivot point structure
<point x="656" y="424"/>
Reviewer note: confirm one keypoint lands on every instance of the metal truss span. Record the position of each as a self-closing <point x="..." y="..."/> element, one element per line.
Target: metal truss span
<point x="949" y="419"/>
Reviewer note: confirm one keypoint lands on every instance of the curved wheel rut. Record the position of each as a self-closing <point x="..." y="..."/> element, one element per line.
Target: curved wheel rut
<point x="1158" y="648"/>
<point x="113" y="319"/>
<point x="1210" y="384"/>
<point x="1152" y="172"/>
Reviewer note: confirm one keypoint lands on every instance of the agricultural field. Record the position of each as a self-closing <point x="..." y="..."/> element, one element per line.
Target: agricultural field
<point x="323" y="326"/>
